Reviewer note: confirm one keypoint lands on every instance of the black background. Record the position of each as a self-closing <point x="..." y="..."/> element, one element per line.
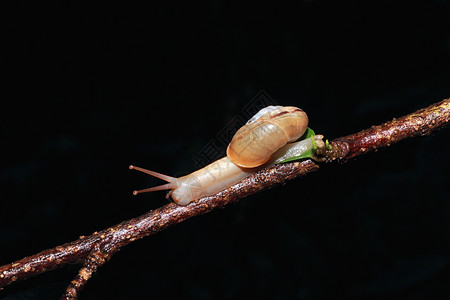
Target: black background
<point x="92" y="88"/>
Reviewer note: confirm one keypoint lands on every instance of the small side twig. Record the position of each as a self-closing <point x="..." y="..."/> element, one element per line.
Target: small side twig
<point x="98" y="248"/>
<point x="91" y="264"/>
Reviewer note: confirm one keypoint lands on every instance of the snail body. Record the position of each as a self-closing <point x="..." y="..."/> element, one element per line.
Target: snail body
<point x="250" y="150"/>
<point x="206" y="181"/>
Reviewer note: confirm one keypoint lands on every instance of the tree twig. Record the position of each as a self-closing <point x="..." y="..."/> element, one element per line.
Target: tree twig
<point x="93" y="251"/>
<point x="421" y="122"/>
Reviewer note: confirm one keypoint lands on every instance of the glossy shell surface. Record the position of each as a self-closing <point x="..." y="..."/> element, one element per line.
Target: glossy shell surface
<point x="267" y="131"/>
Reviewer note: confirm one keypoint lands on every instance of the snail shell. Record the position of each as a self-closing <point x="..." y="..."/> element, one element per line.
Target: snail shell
<point x="270" y="129"/>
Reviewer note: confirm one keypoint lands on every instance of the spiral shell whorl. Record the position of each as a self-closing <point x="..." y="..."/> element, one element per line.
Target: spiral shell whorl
<point x="267" y="131"/>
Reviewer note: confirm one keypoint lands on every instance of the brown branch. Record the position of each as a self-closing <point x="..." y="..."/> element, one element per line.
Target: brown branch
<point x="98" y="248"/>
<point x="421" y="122"/>
<point x="109" y="241"/>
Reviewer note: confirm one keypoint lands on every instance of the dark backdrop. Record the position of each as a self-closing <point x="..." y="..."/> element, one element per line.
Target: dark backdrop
<point x="92" y="88"/>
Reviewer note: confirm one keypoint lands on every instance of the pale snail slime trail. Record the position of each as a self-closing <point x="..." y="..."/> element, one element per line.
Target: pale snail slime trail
<point x="260" y="143"/>
<point x="94" y="250"/>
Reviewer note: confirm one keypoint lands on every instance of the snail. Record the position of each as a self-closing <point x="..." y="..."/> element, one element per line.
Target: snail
<point x="261" y="142"/>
